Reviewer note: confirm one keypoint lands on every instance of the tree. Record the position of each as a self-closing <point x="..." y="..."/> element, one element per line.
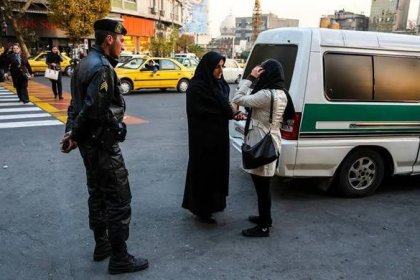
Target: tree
<point x="163" y="47"/>
<point x="13" y="12"/>
<point x="185" y="41"/>
<point x="76" y="17"/>
<point x="198" y="50"/>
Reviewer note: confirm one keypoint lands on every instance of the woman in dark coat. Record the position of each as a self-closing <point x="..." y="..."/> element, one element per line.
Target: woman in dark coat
<point x="208" y="112"/>
<point x="21" y="71"/>
<point x="53" y="61"/>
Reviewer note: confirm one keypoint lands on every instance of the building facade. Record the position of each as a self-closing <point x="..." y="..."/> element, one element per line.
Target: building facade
<point x="243" y="25"/>
<point x="345" y="20"/>
<point x="389" y="15"/>
<point x="142" y="18"/>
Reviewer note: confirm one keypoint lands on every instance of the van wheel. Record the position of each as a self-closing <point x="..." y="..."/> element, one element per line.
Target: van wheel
<point x="238" y="79"/>
<point x="361" y="173"/>
<point x="183" y="85"/>
<point x="68" y="71"/>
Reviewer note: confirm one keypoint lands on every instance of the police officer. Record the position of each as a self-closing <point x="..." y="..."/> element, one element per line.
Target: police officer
<point x="95" y="126"/>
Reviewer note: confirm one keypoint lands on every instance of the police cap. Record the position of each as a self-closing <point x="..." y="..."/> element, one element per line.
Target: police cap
<point x="110" y="25"/>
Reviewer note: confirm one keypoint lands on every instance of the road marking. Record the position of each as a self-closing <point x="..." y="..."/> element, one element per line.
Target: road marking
<point x="20" y="109"/>
<point x="30" y="123"/>
<point x="24" y="116"/>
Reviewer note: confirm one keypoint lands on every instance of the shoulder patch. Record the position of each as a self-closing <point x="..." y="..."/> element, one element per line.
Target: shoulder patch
<point x="104" y="86"/>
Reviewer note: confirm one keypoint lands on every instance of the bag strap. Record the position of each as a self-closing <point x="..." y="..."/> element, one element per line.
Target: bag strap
<point x="248" y="119"/>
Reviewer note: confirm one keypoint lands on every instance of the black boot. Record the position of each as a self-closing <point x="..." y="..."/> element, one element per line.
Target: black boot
<point x="256" y="231"/>
<point x="103" y="248"/>
<point x="256" y="220"/>
<point x="126" y="263"/>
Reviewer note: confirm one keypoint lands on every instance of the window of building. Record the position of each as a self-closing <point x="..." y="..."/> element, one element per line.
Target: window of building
<point x="348" y="77"/>
<point x="371" y="78"/>
<point x="285" y="54"/>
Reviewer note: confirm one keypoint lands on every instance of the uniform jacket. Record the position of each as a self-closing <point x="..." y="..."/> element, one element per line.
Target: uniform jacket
<point x="260" y="124"/>
<point x="96" y="102"/>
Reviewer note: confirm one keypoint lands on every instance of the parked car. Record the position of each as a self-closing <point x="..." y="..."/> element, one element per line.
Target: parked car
<point x="189" y="62"/>
<point x="38" y="64"/>
<point x="154" y="72"/>
<point x="232" y="72"/>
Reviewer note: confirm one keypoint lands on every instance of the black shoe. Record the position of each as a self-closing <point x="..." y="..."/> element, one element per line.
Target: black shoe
<point x="256" y="220"/>
<point x="256" y="231"/>
<point x="125" y="264"/>
<point x="207" y="219"/>
<point x="61" y="98"/>
<point x="102" y="251"/>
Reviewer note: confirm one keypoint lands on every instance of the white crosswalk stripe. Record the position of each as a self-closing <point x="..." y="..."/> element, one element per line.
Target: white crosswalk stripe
<point x="14" y="114"/>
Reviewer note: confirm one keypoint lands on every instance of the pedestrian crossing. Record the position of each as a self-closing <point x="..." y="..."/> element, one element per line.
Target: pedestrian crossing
<point x="14" y="114"/>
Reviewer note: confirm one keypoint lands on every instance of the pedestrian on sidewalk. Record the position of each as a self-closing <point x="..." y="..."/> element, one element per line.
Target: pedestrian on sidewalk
<point x="269" y="87"/>
<point x="21" y="72"/>
<point x="95" y="125"/>
<point x="53" y="61"/>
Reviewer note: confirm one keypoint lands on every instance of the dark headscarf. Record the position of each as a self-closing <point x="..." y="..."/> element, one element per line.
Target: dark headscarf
<point x="204" y="72"/>
<point x="273" y="78"/>
<point x="203" y="83"/>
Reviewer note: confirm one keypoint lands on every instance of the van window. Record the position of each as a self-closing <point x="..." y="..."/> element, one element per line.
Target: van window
<point x="285" y="54"/>
<point x="397" y="78"/>
<point x="348" y="77"/>
<point x="371" y="77"/>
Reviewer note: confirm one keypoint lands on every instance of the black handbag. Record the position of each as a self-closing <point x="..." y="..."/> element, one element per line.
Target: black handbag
<point x="262" y="153"/>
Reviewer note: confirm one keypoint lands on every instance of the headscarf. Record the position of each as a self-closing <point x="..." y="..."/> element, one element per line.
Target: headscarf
<point x="204" y="72"/>
<point x="209" y="88"/>
<point x="273" y="78"/>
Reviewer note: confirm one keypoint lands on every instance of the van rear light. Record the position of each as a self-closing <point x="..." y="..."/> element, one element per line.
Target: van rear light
<point x="290" y="129"/>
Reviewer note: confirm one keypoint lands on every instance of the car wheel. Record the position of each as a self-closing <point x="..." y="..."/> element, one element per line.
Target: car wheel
<point x="68" y="71"/>
<point x="361" y="173"/>
<point x="183" y="85"/>
<point x="238" y="79"/>
<point x="126" y="86"/>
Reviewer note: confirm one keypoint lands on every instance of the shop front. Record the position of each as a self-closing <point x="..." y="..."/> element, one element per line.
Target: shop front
<point x="139" y="33"/>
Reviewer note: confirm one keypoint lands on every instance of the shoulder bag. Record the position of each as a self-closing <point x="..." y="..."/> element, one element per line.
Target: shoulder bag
<point x="51" y="74"/>
<point x="262" y="153"/>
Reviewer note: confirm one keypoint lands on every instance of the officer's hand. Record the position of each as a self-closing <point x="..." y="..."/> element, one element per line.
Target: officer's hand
<point x="67" y="144"/>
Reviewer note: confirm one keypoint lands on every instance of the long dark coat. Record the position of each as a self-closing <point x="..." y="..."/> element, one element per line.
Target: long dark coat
<point x="208" y="112"/>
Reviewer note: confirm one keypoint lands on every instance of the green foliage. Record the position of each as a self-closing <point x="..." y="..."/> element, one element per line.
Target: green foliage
<point x="77" y="17"/>
<point x="198" y="50"/>
<point x="185" y="42"/>
<point x="163" y="47"/>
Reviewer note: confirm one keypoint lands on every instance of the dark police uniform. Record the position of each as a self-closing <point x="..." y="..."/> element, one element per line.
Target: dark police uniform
<point x="95" y="118"/>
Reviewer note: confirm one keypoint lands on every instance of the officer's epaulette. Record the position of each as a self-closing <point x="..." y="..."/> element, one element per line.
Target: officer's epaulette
<point x="104" y="60"/>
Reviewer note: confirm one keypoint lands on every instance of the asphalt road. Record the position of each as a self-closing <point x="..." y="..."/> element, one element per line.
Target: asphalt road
<point x="44" y="225"/>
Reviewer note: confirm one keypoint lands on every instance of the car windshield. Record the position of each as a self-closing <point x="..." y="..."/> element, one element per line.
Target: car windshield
<point x="134" y="63"/>
<point x="124" y="59"/>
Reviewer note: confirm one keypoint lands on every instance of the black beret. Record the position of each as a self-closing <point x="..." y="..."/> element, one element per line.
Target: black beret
<point x="110" y="25"/>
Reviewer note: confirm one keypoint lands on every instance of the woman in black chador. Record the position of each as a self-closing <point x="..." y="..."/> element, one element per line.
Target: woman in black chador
<point x="208" y="112"/>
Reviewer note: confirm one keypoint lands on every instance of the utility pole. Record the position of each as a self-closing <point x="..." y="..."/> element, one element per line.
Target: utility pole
<point x="256" y="21"/>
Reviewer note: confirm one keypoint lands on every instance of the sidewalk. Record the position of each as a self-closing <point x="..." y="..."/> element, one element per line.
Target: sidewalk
<point x="43" y="97"/>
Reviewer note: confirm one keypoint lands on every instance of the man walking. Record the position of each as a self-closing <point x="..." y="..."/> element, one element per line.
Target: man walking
<point x="95" y="126"/>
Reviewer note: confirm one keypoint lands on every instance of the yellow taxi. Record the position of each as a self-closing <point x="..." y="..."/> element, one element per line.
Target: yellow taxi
<point x="154" y="72"/>
<point x="38" y="63"/>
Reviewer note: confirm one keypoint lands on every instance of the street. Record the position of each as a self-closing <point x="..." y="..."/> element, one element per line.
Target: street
<point x="44" y="217"/>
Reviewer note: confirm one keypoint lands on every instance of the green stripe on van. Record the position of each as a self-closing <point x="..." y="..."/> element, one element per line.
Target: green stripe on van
<point x="314" y="113"/>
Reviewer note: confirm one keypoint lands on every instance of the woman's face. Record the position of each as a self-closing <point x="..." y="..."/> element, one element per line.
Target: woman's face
<point x="16" y="49"/>
<point x="218" y="71"/>
<point x="54" y="50"/>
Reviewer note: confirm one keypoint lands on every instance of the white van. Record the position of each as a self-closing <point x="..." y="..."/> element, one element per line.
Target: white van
<point x="356" y="96"/>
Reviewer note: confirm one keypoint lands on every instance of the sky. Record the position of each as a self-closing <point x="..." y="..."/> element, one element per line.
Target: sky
<point x="308" y="12"/>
